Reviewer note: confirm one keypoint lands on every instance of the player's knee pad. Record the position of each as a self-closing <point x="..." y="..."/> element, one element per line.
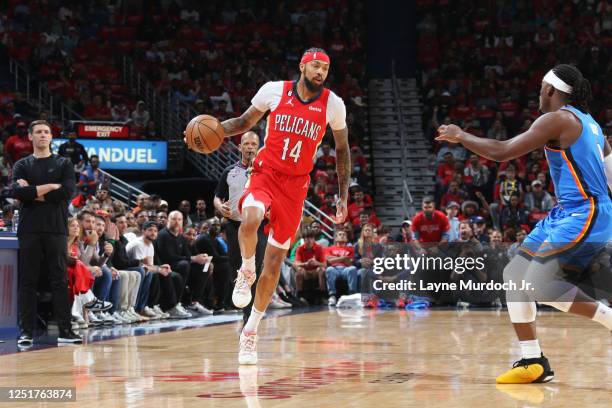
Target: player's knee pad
<point x="522" y="312"/>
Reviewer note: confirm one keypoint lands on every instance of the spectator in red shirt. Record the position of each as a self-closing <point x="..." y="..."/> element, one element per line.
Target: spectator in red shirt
<point x="339" y="259"/>
<point x="453" y="194"/>
<point x="445" y="170"/>
<point x="97" y="110"/>
<point x="430" y="225"/>
<point x="18" y="145"/>
<point x="355" y="208"/>
<point x="366" y="216"/>
<point x="309" y="262"/>
<point x="354" y="187"/>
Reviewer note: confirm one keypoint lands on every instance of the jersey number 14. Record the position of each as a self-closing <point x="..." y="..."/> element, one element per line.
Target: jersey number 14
<point x="295" y="151"/>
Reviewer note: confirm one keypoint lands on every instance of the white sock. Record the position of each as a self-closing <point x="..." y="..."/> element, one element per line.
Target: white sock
<point x="603" y="315"/>
<point x="248" y="263"/>
<point x="531" y="348"/>
<point x="253" y="322"/>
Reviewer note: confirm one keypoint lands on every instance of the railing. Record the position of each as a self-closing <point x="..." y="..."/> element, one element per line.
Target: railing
<point x="313" y="211"/>
<point x="39" y="95"/>
<point x="122" y="191"/>
<point x="171" y="117"/>
<point x="407" y="201"/>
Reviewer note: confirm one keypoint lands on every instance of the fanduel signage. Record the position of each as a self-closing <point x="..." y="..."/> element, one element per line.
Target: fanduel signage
<point x="125" y="154"/>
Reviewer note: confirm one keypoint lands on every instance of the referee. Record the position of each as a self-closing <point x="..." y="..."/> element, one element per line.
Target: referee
<point x="43" y="183"/>
<point x="229" y="190"/>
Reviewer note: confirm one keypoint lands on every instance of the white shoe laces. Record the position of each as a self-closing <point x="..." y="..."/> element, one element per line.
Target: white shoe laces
<point x="248" y="343"/>
<point x="242" y="281"/>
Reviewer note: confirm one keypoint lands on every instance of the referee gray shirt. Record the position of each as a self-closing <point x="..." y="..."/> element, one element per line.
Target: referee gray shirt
<point x="230" y="187"/>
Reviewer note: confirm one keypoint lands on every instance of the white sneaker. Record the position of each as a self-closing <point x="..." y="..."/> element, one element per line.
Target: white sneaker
<point x="94" y="320"/>
<point x="198" y="308"/>
<point x="280" y="300"/>
<point x="160" y="312"/>
<point x="127" y="317"/>
<point x="276" y="303"/>
<point x="118" y="318"/>
<point x="241" y="296"/>
<point x="331" y="301"/>
<point x="137" y="316"/>
<point x="147" y="311"/>
<point x="248" y="349"/>
<point x="183" y="312"/>
<point x="107" y="318"/>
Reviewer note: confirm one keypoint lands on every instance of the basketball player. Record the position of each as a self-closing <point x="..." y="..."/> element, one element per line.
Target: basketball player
<point x="580" y="162"/>
<point x="299" y="114"/>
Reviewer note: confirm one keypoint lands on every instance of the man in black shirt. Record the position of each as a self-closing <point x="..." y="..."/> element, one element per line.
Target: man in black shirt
<point x="173" y="249"/>
<point x="207" y="244"/>
<point x="75" y="152"/>
<point x="44" y="183"/>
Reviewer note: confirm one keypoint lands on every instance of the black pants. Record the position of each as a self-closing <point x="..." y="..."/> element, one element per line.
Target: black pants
<point x="183" y="268"/>
<point x="231" y="231"/>
<point x="196" y="284"/>
<point x="34" y="251"/>
<point x="165" y="290"/>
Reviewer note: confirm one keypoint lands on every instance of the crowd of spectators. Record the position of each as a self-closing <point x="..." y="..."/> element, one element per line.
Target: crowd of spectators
<point x="205" y="57"/>
<point x="481" y="67"/>
<point x="194" y="60"/>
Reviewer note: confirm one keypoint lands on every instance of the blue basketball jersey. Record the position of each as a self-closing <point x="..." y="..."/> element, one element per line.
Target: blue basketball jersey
<point x="578" y="171"/>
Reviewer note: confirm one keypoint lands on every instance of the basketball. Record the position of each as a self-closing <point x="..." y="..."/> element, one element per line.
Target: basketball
<point x="204" y="134"/>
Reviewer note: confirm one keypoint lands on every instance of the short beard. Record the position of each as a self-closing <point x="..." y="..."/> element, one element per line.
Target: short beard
<point x="311" y="86"/>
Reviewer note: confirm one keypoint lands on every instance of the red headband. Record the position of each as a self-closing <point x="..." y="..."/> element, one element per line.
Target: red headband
<point x="316" y="55"/>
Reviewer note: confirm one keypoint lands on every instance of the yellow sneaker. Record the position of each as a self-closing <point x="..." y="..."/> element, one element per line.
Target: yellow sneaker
<point x="527" y="371"/>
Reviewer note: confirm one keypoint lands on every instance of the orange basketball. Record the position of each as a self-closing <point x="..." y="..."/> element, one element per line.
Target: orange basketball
<point x="204" y="134"/>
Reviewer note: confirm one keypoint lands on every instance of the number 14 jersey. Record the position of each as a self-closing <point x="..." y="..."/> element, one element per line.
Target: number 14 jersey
<point x="295" y="128"/>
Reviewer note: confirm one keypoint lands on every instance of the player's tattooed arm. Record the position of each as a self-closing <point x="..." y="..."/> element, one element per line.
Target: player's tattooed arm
<point x="343" y="161"/>
<point x="243" y="123"/>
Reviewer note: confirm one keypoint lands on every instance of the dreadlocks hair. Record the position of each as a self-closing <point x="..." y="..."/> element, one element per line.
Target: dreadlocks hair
<point x="581" y="95"/>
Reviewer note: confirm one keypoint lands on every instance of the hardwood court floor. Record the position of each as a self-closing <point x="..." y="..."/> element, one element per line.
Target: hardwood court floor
<point x="351" y="358"/>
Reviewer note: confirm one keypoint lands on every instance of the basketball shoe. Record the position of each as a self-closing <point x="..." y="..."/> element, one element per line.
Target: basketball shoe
<point x="248" y="348"/>
<point x="241" y="296"/>
<point x="527" y="371"/>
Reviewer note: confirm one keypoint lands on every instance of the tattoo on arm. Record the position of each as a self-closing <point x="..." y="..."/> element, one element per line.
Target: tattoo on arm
<point x="243" y="123"/>
<point x="343" y="161"/>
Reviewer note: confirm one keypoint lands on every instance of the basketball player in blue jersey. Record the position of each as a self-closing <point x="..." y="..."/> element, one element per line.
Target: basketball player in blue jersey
<point x="580" y="161"/>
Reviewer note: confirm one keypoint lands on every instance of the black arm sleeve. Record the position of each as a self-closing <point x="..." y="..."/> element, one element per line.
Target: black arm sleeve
<point x="66" y="191"/>
<point x="222" y="191"/>
<point x="22" y="193"/>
